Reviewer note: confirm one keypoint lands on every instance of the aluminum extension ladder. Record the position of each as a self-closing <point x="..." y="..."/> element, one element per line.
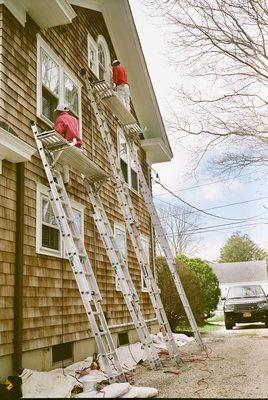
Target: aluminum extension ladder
<point x="161" y="236"/>
<point x="130" y="217"/>
<point x="122" y="274"/>
<point x="78" y="258"/>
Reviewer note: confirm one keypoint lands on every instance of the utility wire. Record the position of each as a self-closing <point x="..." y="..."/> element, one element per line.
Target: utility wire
<point x="216" y="207"/>
<point x="195" y="232"/>
<point x="258" y="220"/>
<point x="200" y="210"/>
<point x="208" y="183"/>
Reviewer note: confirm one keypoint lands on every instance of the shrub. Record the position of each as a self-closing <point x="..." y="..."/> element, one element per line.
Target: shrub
<point x="170" y="298"/>
<point x="207" y="279"/>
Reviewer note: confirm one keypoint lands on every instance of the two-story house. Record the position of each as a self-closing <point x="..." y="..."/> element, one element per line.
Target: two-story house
<point x="43" y="45"/>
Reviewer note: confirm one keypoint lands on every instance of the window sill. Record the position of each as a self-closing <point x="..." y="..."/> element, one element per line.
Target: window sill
<point x="134" y="191"/>
<point x="49" y="252"/>
<point x="47" y="121"/>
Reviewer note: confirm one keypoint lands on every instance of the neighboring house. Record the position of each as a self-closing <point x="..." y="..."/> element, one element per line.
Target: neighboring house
<point x="43" y="45"/>
<point x="239" y="273"/>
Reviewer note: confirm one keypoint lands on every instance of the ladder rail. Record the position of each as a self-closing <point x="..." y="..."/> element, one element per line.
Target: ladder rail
<point x="132" y="225"/>
<point x="162" y="238"/>
<point x="120" y="268"/>
<point x="83" y="272"/>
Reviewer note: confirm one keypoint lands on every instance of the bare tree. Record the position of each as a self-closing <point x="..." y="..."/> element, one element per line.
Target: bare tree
<point x="223" y="45"/>
<point x="178" y="223"/>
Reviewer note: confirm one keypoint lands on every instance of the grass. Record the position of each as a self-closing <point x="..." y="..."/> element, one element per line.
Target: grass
<point x="216" y="318"/>
<point x="212" y="324"/>
<point x="202" y="329"/>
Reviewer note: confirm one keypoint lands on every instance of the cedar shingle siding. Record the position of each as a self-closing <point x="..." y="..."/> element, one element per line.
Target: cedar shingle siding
<point x="52" y="308"/>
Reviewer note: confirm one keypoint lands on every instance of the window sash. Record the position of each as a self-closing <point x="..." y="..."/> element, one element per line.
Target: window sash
<point x="48" y="84"/>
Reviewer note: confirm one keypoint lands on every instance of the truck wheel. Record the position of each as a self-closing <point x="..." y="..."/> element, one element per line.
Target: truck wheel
<point x="228" y="325"/>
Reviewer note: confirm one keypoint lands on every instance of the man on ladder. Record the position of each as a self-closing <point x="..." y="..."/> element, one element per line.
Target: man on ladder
<point x="67" y="126"/>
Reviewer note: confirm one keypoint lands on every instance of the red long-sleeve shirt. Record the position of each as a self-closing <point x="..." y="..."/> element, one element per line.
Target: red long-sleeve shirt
<point x="119" y="75"/>
<point x="67" y="126"/>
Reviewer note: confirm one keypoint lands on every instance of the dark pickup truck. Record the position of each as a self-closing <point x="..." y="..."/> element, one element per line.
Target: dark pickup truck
<point x="244" y="304"/>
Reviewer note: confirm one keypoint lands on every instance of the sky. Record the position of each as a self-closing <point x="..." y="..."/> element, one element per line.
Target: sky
<point x="154" y="34"/>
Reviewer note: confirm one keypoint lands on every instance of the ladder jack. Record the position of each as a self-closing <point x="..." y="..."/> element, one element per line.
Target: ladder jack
<point x="96" y="93"/>
<point x="50" y="145"/>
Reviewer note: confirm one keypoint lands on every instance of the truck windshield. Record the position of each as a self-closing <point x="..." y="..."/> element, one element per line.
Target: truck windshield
<point x="237" y="292"/>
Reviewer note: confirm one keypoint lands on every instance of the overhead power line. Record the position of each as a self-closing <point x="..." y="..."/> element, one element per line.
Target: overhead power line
<point x="200" y="210"/>
<point x="220" y="229"/>
<point x="234" y="225"/>
<point x="208" y="183"/>
<point x="216" y="207"/>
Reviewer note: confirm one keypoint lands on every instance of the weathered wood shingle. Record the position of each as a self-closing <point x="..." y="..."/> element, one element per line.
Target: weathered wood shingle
<point x="52" y="307"/>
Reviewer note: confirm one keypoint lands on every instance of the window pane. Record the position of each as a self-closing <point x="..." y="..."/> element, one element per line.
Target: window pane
<point x="122" y="148"/>
<point x="145" y="246"/>
<point x="50" y="73"/>
<point x="121" y="242"/>
<point x="50" y="237"/>
<point x="92" y="59"/>
<point x="49" y="103"/>
<point x="101" y="56"/>
<point x="78" y="219"/>
<point x="47" y="213"/>
<point x="124" y="170"/>
<point x="134" y="180"/>
<point x="71" y="94"/>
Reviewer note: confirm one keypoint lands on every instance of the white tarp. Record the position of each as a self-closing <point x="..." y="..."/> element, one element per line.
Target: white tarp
<point x="59" y="382"/>
<point x="180" y="340"/>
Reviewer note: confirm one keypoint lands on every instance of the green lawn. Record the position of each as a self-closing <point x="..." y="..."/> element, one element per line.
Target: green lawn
<point x="216" y="318"/>
<point x="212" y="324"/>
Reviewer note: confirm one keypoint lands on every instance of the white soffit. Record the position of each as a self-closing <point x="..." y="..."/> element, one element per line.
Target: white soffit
<point x="156" y="150"/>
<point x="14" y="149"/>
<point x="46" y="13"/>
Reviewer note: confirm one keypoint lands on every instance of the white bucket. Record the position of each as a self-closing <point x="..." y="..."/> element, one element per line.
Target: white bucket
<point x="89" y="382"/>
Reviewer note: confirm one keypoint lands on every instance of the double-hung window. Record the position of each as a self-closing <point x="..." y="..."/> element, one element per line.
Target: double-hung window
<point x="48" y="236"/>
<point x="127" y="164"/>
<point x="55" y="84"/>
<point x="121" y="240"/>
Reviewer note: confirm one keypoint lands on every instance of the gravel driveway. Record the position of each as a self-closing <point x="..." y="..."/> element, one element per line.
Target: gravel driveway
<point x="236" y="368"/>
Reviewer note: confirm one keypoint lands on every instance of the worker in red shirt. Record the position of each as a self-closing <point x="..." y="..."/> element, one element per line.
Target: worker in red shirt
<point x="67" y="126"/>
<point x="121" y="83"/>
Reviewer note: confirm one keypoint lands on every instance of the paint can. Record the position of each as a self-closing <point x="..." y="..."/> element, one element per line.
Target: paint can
<point x="89" y="382"/>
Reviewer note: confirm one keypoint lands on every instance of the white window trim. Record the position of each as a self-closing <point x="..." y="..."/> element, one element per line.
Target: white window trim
<point x="147" y="239"/>
<point x="41" y="44"/>
<point x="120" y="131"/>
<point x="120" y="227"/>
<point x="91" y="44"/>
<point x="42" y="190"/>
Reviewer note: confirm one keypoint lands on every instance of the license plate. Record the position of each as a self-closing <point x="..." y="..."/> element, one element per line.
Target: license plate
<point x="247" y="314"/>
